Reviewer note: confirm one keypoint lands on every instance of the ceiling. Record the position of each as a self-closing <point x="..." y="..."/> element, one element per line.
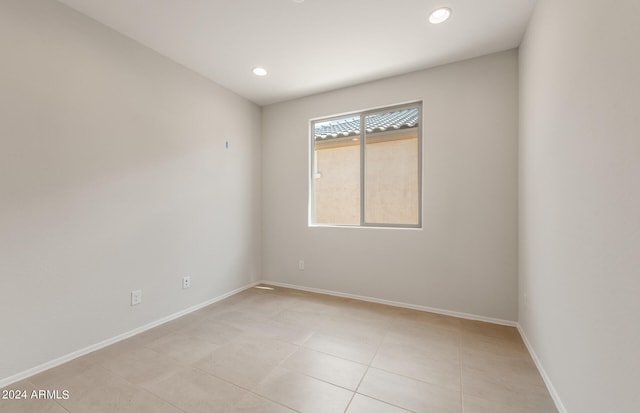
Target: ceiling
<point x="314" y="45"/>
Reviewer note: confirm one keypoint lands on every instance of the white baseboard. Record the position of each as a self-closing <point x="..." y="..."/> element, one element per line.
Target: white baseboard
<point x="543" y="373"/>
<point x="79" y="353"/>
<point x="457" y="314"/>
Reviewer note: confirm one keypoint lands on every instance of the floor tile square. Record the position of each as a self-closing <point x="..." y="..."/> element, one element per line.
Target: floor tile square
<point x="334" y="370"/>
<point x="360" y="351"/>
<point x="304" y="393"/>
<point x="195" y="391"/>
<point x="252" y="403"/>
<point x="408" y="393"/>
<point x="364" y="404"/>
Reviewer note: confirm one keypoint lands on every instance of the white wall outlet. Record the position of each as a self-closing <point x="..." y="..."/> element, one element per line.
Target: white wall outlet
<point x="186" y="282"/>
<point x="136" y="297"/>
<point x="301" y="265"/>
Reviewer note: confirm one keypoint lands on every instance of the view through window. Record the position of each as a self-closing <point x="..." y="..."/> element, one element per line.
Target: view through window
<point x="366" y="168"/>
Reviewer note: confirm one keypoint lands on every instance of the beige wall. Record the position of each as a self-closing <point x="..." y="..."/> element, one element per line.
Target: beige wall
<point x="113" y="177"/>
<point x="580" y="200"/>
<point x="465" y="257"/>
<point x="337" y="185"/>
<point x="391" y="183"/>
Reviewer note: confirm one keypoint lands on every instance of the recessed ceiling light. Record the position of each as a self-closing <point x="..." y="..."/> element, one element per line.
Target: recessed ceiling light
<point x="259" y="71"/>
<point x="298" y="1"/>
<point x="439" y="15"/>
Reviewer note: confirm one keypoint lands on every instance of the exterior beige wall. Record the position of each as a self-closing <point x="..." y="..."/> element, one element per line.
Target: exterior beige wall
<point x="337" y="185"/>
<point x="391" y="180"/>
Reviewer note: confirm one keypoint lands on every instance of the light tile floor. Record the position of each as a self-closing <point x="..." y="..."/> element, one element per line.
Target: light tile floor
<point x="284" y="350"/>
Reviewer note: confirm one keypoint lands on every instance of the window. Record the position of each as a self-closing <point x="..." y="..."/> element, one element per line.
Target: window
<point x="366" y="168"/>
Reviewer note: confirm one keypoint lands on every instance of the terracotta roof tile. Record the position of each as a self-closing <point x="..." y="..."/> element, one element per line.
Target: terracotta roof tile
<point x="378" y="122"/>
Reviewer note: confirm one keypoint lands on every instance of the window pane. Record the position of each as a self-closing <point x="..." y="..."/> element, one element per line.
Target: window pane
<point x="336" y="175"/>
<point x="392" y="168"/>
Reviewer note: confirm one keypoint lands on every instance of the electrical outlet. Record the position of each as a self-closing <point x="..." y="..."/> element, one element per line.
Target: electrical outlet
<point x="136" y="297"/>
<point x="186" y="282"/>
<point x="301" y="265"/>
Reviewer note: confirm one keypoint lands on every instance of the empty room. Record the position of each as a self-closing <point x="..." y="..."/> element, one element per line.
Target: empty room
<point x="320" y="206"/>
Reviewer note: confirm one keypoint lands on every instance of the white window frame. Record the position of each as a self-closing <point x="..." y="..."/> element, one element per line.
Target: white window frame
<point x="313" y="159"/>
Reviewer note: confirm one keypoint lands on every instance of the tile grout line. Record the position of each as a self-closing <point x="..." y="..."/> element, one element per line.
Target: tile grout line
<point x="279" y="364"/>
<point x="364" y="375"/>
<point x="302" y="346"/>
<point x="251" y="391"/>
<point x="369" y="366"/>
<point x="137" y="386"/>
<point x="460" y="364"/>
